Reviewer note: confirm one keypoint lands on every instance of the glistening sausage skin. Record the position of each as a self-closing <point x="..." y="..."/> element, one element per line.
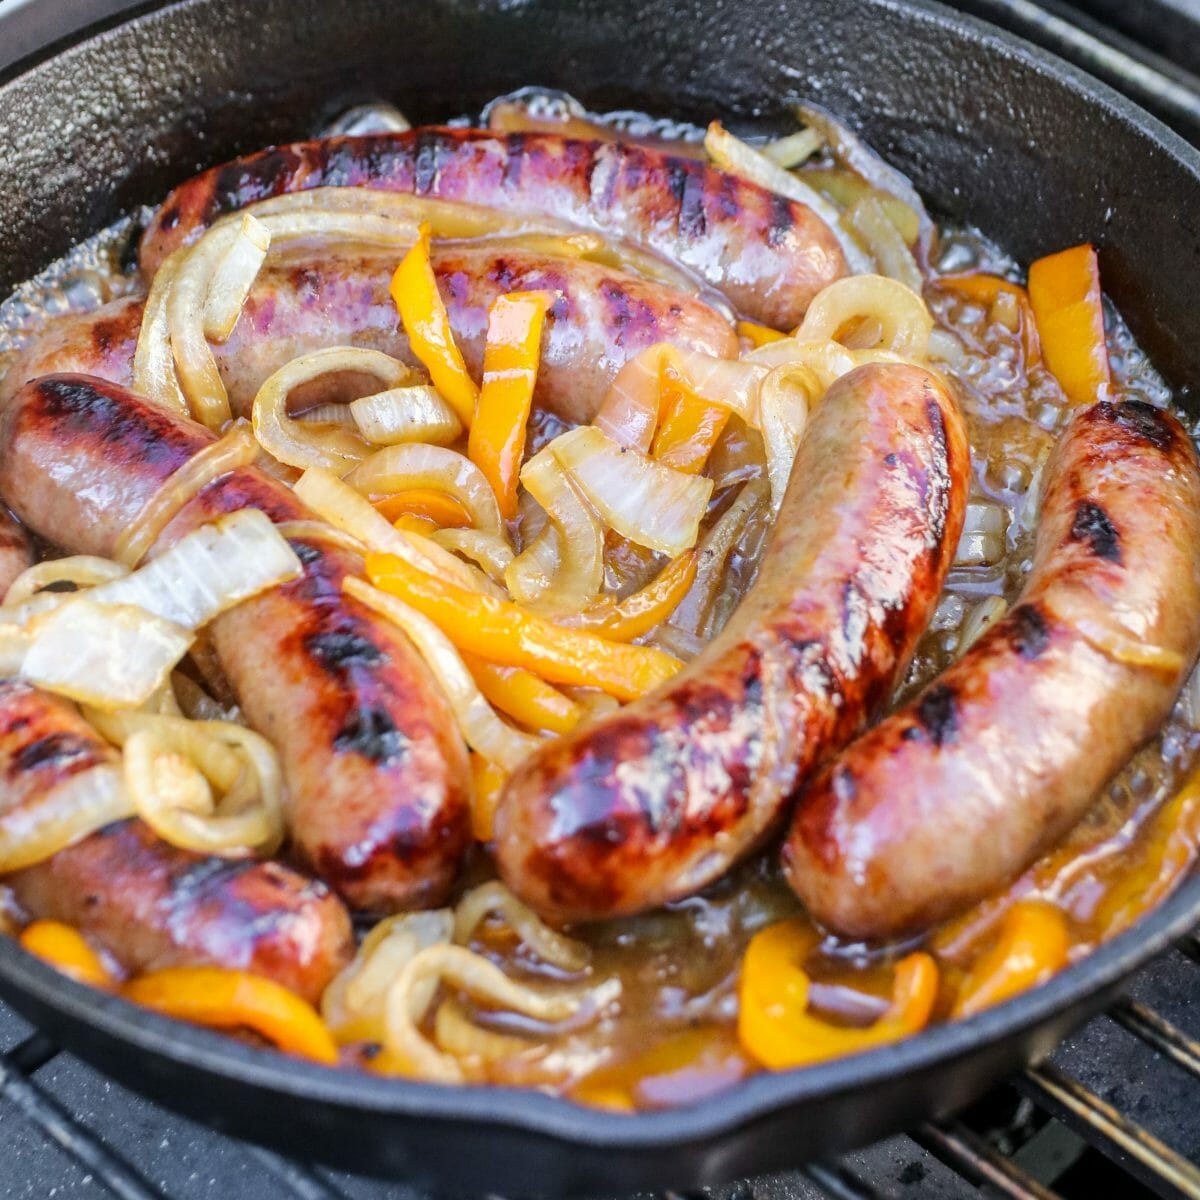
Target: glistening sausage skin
<point x="953" y="795"/>
<point x="657" y="800"/>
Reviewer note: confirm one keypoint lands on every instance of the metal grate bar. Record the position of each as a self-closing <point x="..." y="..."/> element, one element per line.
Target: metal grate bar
<point x="1158" y="1032"/>
<point x="980" y="1161"/>
<point x="55" y="1123"/>
<point x="840" y="1183"/>
<point x="32" y="1054"/>
<point x="1159" y="1167"/>
<point x="301" y="1180"/>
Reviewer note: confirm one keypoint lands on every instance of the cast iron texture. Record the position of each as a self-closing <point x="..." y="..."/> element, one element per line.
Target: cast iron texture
<point x="1026" y="148"/>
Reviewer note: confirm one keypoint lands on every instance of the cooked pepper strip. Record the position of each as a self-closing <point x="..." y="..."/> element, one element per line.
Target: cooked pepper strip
<point x="427" y="325"/>
<point x="1064" y="290"/>
<point x="984" y="289"/>
<point x="524" y="696"/>
<point x="627" y="619"/>
<point x="65" y="949"/>
<point x="444" y="510"/>
<point x="760" y="335"/>
<point x="487" y="780"/>
<point x="226" y="999"/>
<point x="774" y="1024"/>
<point x="496" y="443"/>
<point x="690" y="427"/>
<point x="505" y="633"/>
<point x="1033" y="944"/>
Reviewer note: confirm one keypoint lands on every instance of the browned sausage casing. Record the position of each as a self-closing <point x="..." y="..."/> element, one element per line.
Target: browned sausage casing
<point x="16" y="553"/>
<point x="375" y="768"/>
<point x="659" y="799"/>
<point x="768" y="254"/>
<point x="954" y="794"/>
<point x="149" y="904"/>
<point x="601" y="319"/>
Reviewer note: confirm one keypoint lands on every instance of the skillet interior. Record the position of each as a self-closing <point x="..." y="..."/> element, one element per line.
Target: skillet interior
<point x="988" y="129"/>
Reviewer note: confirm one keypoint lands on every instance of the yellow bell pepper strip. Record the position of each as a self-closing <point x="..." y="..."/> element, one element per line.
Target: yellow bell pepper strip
<point x="225" y="999"/>
<point x="427" y="325"/>
<point x="505" y="633"/>
<point x="524" y="696"/>
<point x="984" y="289"/>
<point x="496" y="443"/>
<point x="65" y="949"/>
<point x="1064" y="290"/>
<point x="774" y="1024"/>
<point x="759" y="335"/>
<point x="690" y="427"/>
<point x="624" y="620"/>
<point x="444" y="510"/>
<point x="1033" y="944"/>
<point x="487" y="781"/>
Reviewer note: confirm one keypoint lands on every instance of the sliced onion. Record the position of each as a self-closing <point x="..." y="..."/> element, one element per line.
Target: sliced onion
<point x="208" y="571"/>
<point x="234" y="276"/>
<point x="402" y="468"/>
<point x="494" y="899"/>
<point x="853" y="153"/>
<point x="109" y="655"/>
<point x="829" y="361"/>
<point x="790" y="151"/>
<point x="732" y="382"/>
<point x="985" y="614"/>
<point x="406" y="414"/>
<point x="320" y="532"/>
<point x="737" y="158"/>
<point x="629" y="411"/>
<point x="481" y="728"/>
<point x="154" y="374"/>
<point x="713" y="555"/>
<point x="784" y="400"/>
<point x="343" y="507"/>
<point x="983" y="535"/>
<point x="490" y="550"/>
<point x="31" y="833"/>
<point x="236" y="449"/>
<point x="83" y="570"/>
<point x="300" y="444"/>
<point x="868" y="218"/>
<point x="564" y="566"/>
<point x="652" y="505"/>
<point x="171" y="766"/>
<point x="904" y="321"/>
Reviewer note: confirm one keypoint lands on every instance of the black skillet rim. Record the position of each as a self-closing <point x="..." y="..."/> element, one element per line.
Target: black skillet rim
<point x="744" y="1103"/>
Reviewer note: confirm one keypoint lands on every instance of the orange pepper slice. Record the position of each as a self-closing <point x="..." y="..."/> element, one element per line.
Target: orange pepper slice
<point x="526" y="697"/>
<point x="427" y="326"/>
<point x="774" y="1025"/>
<point x="1033" y="944"/>
<point x="985" y="288"/>
<point x="760" y="335"/>
<point x="505" y="633"/>
<point x="224" y="999"/>
<point x="690" y="427"/>
<point x="65" y="949"/>
<point x="487" y="782"/>
<point x="444" y="510"/>
<point x="496" y="443"/>
<point x="639" y="613"/>
<point x="412" y="523"/>
<point x="1064" y="290"/>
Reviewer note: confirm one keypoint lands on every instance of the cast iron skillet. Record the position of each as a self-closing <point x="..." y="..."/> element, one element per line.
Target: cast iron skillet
<point x="1033" y="152"/>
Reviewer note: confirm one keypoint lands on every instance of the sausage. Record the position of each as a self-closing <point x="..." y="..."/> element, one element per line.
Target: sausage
<point x="769" y="255"/>
<point x="602" y="318"/>
<point x="657" y="800"/>
<point x="376" y="771"/>
<point x="957" y="792"/>
<point x="16" y="553"/>
<point x="147" y="903"/>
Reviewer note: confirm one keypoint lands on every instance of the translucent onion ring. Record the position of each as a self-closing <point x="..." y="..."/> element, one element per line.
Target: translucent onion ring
<point x="494" y="899"/>
<point x="68" y="812"/>
<point x="236" y="449"/>
<point x="83" y="570"/>
<point x="153" y="363"/>
<point x="904" y="320"/>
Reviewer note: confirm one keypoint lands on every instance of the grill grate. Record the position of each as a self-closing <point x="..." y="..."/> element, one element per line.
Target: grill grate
<point x="1112" y="1113"/>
